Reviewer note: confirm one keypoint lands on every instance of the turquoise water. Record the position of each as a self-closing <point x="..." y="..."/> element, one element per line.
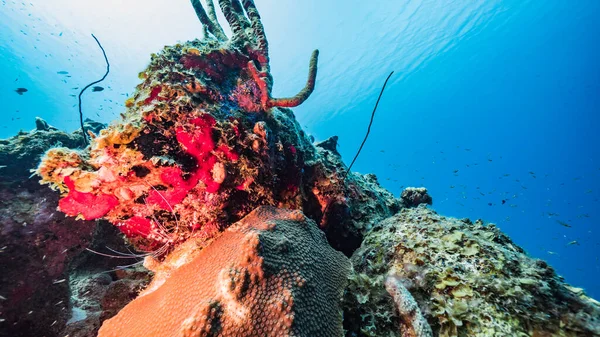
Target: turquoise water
<point x="490" y="101"/>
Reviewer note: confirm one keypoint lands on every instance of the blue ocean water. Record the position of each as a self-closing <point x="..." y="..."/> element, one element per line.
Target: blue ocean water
<point x="494" y="106"/>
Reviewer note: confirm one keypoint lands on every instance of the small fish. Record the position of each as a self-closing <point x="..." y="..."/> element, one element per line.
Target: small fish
<point x="574" y="242"/>
<point x="562" y="223"/>
<point x="97" y="88"/>
<point x="62" y="72"/>
<point x="552" y="253"/>
<point x="20" y="91"/>
<point x="503" y="201"/>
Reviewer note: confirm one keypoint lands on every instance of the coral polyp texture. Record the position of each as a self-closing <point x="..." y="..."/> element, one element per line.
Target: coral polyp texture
<point x="202" y="143"/>
<point x="468" y="279"/>
<point x="271" y="274"/>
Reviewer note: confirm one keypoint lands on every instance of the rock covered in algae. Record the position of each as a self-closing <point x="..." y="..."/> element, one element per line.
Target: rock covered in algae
<point x="271" y="274"/>
<point x="469" y="279"/>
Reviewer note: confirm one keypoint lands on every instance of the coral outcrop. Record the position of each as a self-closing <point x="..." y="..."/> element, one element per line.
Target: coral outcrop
<point x="203" y="143"/>
<point x="468" y="279"/>
<point x="271" y="274"/>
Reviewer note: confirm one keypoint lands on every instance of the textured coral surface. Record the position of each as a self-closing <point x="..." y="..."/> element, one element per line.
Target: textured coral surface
<point x="271" y="274"/>
<point x="469" y="279"/>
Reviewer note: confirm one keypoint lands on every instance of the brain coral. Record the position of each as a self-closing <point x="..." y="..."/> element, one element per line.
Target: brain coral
<point x="271" y="274"/>
<point x="468" y="279"/>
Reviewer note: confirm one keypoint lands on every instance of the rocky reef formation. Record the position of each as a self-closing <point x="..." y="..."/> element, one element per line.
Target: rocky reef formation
<point x="468" y="279"/>
<point x="271" y="274"/>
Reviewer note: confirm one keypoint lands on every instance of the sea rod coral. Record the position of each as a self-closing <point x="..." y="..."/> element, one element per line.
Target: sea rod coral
<point x="203" y="142"/>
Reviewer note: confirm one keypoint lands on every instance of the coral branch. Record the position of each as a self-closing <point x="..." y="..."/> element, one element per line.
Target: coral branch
<point x="268" y="102"/>
<point x="210" y="23"/>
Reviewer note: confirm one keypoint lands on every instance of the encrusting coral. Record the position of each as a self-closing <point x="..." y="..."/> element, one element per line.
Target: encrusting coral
<point x="202" y="143"/>
<point x="271" y="274"/>
<point x="468" y="279"/>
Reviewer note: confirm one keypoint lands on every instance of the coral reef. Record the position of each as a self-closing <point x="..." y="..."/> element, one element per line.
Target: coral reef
<point x="468" y="279"/>
<point x="203" y="143"/>
<point x="244" y="220"/>
<point x="271" y="274"/>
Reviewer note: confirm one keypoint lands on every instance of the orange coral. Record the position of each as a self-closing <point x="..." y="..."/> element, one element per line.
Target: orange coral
<point x="271" y="274"/>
